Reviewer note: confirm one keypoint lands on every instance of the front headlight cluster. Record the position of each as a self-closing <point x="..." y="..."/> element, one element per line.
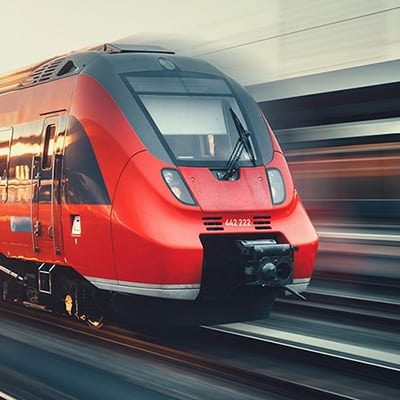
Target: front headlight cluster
<point x="179" y="189"/>
<point x="276" y="185"/>
<point x="177" y="186"/>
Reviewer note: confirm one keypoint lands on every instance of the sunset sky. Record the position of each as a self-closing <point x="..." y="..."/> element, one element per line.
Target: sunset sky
<point x="33" y="31"/>
<point x="252" y="40"/>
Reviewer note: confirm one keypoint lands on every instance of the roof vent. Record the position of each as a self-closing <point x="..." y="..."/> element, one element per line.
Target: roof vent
<point x="44" y="73"/>
<point x="130" y="48"/>
<point x="50" y="70"/>
<point x="67" y="68"/>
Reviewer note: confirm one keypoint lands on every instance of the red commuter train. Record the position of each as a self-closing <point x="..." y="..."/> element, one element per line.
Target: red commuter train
<point x="134" y="178"/>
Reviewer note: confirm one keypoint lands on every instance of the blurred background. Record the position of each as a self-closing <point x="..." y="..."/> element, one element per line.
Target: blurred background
<point x="326" y="74"/>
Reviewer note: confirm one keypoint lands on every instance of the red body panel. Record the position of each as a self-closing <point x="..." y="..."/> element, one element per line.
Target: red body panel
<point x="246" y="194"/>
<point x="19" y="107"/>
<point x="91" y="253"/>
<point x="145" y="235"/>
<point x="110" y="134"/>
<point x="157" y="239"/>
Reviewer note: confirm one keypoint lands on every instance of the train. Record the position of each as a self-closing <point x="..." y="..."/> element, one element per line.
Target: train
<point x="150" y="184"/>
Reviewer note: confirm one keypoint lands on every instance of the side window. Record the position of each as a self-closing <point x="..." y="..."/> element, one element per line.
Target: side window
<point x="5" y="138"/>
<point x="48" y="146"/>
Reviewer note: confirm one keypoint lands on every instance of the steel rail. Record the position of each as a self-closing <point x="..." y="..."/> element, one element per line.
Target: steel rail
<point x="5" y="396"/>
<point x="340" y="308"/>
<point x="120" y="338"/>
<point x="341" y="360"/>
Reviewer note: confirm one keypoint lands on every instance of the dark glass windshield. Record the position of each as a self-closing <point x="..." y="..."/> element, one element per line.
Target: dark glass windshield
<point x="192" y="116"/>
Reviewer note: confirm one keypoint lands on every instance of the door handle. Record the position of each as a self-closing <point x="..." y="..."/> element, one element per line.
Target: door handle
<point x="37" y="228"/>
<point x="50" y="232"/>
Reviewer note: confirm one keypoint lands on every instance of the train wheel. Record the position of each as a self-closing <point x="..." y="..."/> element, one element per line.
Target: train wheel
<point x="69" y="304"/>
<point x="92" y="312"/>
<point x="97" y="322"/>
<point x="79" y="303"/>
<point x="71" y="299"/>
<point x="3" y="290"/>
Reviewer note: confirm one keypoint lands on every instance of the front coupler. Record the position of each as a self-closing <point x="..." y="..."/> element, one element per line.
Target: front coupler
<point x="266" y="263"/>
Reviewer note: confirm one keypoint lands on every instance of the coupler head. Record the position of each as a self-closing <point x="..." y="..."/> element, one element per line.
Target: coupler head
<point x="266" y="263"/>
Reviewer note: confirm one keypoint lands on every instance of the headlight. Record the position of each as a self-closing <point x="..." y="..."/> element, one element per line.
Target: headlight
<point x="276" y="185"/>
<point x="177" y="186"/>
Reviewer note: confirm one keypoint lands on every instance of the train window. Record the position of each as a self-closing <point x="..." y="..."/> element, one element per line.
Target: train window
<point x="5" y="138"/>
<point x="48" y="146"/>
<point x="205" y="131"/>
<point x="190" y="113"/>
<point x="193" y="116"/>
<point x="202" y="86"/>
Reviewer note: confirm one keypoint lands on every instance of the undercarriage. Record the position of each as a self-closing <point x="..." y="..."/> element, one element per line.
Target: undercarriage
<point x="51" y="288"/>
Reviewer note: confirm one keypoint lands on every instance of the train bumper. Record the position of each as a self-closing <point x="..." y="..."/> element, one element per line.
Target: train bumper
<point x="266" y="263"/>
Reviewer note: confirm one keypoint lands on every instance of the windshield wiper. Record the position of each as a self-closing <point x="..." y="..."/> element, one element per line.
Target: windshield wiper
<point x="243" y="143"/>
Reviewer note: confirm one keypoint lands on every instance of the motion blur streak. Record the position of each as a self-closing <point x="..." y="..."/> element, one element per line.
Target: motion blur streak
<point x="5" y="396"/>
<point x="345" y="181"/>
<point x="349" y="177"/>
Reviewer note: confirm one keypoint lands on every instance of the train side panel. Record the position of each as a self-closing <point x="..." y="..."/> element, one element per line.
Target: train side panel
<point x="99" y="143"/>
<point x="26" y="112"/>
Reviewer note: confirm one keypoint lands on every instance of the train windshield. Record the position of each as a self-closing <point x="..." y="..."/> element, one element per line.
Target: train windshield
<point x="193" y="117"/>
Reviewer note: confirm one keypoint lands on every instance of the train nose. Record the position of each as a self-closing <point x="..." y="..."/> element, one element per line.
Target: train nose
<point x="247" y="194"/>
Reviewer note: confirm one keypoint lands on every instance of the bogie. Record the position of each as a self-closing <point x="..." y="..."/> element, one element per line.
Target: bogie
<point x="69" y="296"/>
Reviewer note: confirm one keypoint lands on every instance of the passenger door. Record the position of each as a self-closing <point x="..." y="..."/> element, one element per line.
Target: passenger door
<point x="46" y="190"/>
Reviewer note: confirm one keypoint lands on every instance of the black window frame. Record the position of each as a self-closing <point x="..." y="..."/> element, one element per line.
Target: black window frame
<point x="213" y="164"/>
<point x="5" y="172"/>
<point x="4" y="131"/>
<point x="45" y="147"/>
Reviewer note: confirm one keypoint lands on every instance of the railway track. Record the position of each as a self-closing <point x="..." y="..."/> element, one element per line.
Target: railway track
<point x="344" y="356"/>
<point x="377" y="293"/>
<point x="364" y="297"/>
<point x="183" y="349"/>
<point x="368" y="312"/>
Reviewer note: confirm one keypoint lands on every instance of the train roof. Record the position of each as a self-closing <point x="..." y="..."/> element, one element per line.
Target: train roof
<point x="68" y="64"/>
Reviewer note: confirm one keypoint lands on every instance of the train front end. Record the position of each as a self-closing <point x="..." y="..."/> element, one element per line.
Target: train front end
<point x="207" y="217"/>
